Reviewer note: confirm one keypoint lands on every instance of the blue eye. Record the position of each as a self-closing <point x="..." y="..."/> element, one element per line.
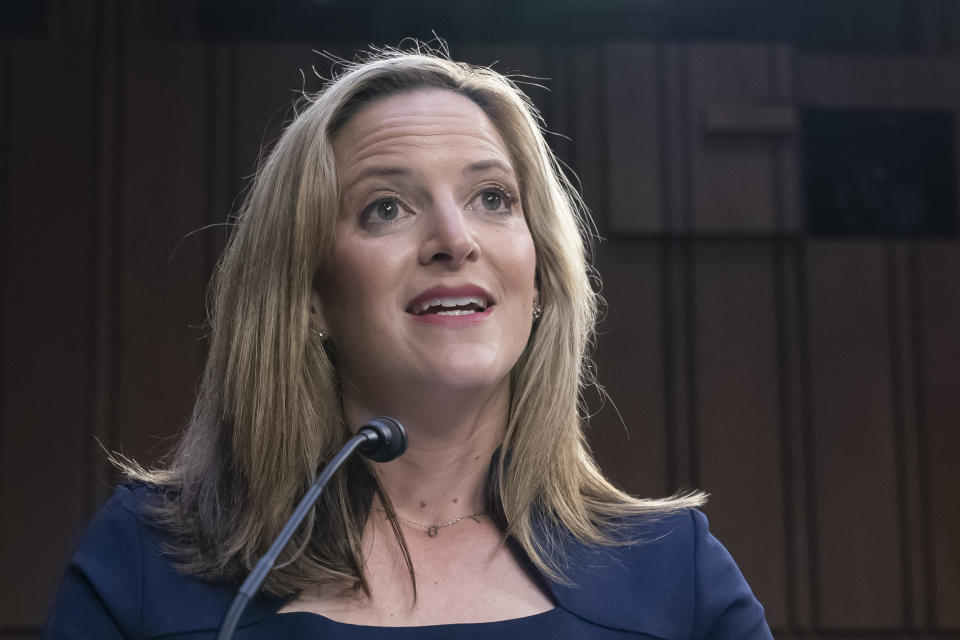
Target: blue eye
<point x="387" y="209"/>
<point x="492" y="200"/>
<point x="495" y="200"/>
<point x="382" y="211"/>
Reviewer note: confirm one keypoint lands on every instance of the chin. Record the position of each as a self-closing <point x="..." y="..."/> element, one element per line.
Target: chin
<point x="465" y="371"/>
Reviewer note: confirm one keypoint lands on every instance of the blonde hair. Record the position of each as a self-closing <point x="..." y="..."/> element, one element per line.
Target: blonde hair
<point x="269" y="414"/>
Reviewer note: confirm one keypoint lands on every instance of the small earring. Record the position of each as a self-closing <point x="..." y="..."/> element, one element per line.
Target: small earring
<point x="537" y="310"/>
<point x="320" y="333"/>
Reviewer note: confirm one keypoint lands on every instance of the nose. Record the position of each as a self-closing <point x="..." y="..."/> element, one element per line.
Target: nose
<point x="449" y="237"/>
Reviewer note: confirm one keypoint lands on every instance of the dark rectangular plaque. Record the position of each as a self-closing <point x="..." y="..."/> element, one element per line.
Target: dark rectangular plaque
<point x="879" y="172"/>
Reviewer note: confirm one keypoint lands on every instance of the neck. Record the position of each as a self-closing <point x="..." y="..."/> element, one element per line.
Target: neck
<point x="444" y="472"/>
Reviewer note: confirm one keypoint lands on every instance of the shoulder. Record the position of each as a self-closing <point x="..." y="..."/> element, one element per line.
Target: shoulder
<point x="122" y="582"/>
<point x="670" y="578"/>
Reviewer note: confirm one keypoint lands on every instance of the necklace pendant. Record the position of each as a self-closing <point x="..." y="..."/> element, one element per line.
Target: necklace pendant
<point x="433" y="530"/>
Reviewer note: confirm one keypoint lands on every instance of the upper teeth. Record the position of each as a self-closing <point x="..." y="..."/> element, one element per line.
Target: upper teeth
<point x="423" y="305"/>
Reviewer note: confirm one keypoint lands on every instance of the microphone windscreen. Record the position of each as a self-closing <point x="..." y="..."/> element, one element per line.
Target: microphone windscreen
<point x="386" y="439"/>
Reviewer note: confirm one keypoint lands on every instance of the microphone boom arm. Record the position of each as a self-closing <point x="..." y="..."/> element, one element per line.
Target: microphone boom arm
<point x="372" y="440"/>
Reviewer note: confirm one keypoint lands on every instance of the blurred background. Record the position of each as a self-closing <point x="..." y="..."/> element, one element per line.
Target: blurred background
<point x="776" y="188"/>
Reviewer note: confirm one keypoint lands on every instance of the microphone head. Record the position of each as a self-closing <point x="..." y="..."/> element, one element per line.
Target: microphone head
<point x="386" y="439"/>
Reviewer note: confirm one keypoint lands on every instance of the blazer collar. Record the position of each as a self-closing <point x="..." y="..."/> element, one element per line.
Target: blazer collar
<point x="644" y="586"/>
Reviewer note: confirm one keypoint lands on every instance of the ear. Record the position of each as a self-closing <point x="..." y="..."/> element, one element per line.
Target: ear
<point x="317" y="319"/>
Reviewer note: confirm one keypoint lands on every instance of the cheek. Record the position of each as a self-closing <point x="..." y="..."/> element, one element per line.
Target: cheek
<point x="347" y="289"/>
<point x="525" y="262"/>
<point x="360" y="291"/>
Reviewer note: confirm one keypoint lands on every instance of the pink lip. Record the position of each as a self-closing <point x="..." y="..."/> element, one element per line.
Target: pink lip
<point x="453" y="292"/>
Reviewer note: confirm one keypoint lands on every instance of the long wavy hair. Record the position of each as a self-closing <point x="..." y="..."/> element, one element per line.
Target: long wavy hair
<point x="269" y="413"/>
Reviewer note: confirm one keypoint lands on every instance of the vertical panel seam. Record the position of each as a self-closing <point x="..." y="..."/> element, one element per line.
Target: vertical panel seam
<point x="776" y="166"/>
<point x="783" y="370"/>
<point x="786" y="445"/>
<point x="689" y="326"/>
<point x="5" y="91"/>
<point x="783" y="386"/>
<point x="233" y="89"/>
<point x="806" y="425"/>
<point x="920" y="399"/>
<point x="210" y="153"/>
<point x="603" y="96"/>
<point x="686" y="149"/>
<point x="116" y="342"/>
<point x="90" y="449"/>
<point x="897" y="408"/>
<point x="666" y="345"/>
<point x="666" y="175"/>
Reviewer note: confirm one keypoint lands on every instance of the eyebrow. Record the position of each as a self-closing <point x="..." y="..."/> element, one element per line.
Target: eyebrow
<point x="484" y="165"/>
<point x="390" y="172"/>
<point x="380" y="172"/>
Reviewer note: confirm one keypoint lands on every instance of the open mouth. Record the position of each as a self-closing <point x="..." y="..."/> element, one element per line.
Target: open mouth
<point x="449" y="306"/>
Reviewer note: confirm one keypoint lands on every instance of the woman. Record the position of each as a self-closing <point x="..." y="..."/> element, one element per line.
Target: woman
<point x="410" y="248"/>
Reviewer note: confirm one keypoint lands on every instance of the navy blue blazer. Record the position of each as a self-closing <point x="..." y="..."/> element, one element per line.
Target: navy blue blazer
<point x="680" y="583"/>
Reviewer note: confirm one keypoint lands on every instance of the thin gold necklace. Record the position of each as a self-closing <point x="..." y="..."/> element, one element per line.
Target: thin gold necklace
<point x="433" y="530"/>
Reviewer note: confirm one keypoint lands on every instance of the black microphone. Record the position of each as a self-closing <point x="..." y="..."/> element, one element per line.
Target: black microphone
<point x="382" y="439"/>
<point x="386" y="439"/>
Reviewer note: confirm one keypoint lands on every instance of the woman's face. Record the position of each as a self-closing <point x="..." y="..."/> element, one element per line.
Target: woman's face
<point x="431" y="281"/>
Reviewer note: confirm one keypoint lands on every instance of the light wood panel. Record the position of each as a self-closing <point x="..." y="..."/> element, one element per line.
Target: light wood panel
<point x="47" y="301"/>
<point x="859" y="581"/>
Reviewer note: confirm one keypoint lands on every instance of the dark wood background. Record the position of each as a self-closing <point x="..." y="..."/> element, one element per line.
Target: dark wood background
<point x="810" y="385"/>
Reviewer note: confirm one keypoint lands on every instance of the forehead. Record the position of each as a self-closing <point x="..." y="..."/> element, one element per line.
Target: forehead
<point x="437" y="120"/>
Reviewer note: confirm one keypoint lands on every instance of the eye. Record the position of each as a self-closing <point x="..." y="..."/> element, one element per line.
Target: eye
<point x="496" y="200"/>
<point x="491" y="200"/>
<point x="386" y="209"/>
<point x="382" y="211"/>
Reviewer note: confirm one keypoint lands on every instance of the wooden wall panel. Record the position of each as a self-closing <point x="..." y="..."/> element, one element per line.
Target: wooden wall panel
<point x="788" y="217"/>
<point x="811" y="386"/>
<point x="878" y="81"/>
<point x="881" y="82"/>
<point x="163" y="207"/>
<point x="853" y="459"/>
<point x="269" y="78"/>
<point x="527" y="64"/>
<point x="575" y="133"/>
<point x="107" y="266"/>
<point x="679" y="372"/>
<point x="589" y="153"/>
<point x="47" y="302"/>
<point x="939" y="306"/>
<point x="630" y="366"/>
<point x="632" y="117"/>
<point x="901" y="258"/>
<point x="792" y="361"/>
<point x="733" y="176"/>
<point x="737" y="409"/>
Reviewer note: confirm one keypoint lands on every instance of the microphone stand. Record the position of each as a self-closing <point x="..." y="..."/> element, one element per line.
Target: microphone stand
<point x="383" y="439"/>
